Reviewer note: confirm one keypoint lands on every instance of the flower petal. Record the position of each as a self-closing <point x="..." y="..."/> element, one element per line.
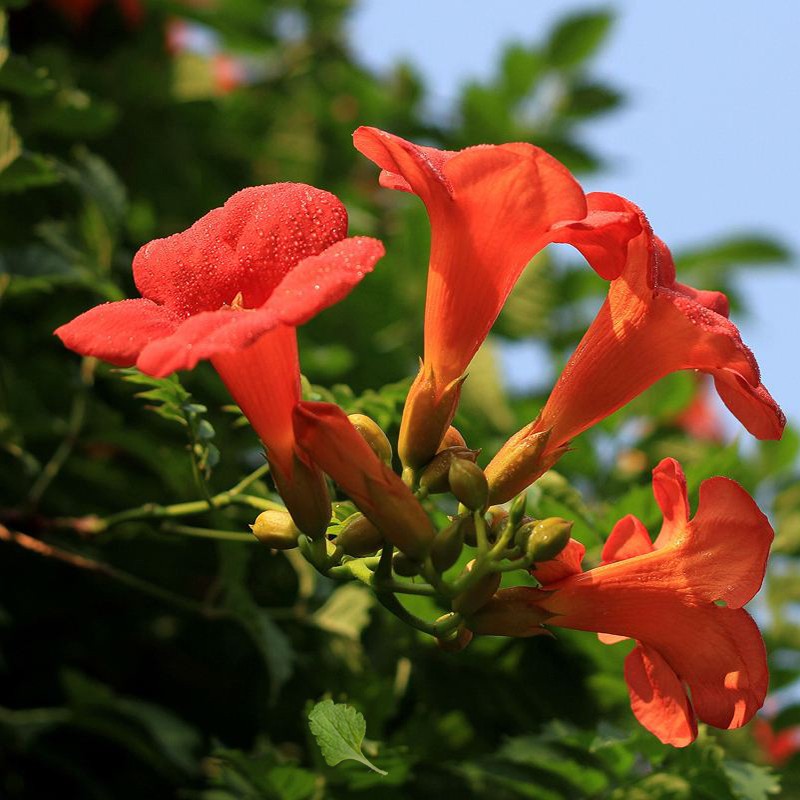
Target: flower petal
<point x="205" y="335"/>
<point x="405" y="166"/>
<point x="669" y="488"/>
<point x="566" y="563"/>
<point x="247" y="246"/>
<point x="118" y="332"/>
<point x="329" y="439"/>
<point x="629" y="538"/>
<point x="603" y="236"/>
<point x="658" y="699"/>
<point x="752" y="405"/>
<point x="318" y="282"/>
<point x="491" y="209"/>
<point x="727" y="544"/>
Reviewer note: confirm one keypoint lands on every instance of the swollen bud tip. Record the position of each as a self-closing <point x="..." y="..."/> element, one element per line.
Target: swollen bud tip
<point x="359" y="537"/>
<point x="435" y="478"/>
<point x="452" y="438"/>
<point x="373" y="435"/>
<point x="468" y="484"/>
<point x="276" y="529"/>
<point x="547" y="538"/>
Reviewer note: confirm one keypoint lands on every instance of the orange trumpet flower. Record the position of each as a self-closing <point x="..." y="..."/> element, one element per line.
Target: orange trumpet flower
<point x="232" y="289"/>
<point x="650" y="325"/>
<point x="679" y="597"/>
<point x="491" y="209"/>
<point x="332" y="442"/>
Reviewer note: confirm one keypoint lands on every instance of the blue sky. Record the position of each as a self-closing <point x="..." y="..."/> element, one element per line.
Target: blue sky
<point x="709" y="143"/>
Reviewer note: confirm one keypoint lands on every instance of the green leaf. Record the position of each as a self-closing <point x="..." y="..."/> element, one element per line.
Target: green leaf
<point x="339" y="730"/>
<point x="751" y="781"/>
<point x="346" y="612"/>
<point x="741" y="250"/>
<point x="578" y="37"/>
<point x="20" y="76"/>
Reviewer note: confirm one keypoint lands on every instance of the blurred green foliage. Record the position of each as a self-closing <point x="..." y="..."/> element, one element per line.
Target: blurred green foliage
<point x="142" y="663"/>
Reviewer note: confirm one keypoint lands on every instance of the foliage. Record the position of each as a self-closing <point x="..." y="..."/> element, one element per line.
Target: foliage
<point x="137" y="661"/>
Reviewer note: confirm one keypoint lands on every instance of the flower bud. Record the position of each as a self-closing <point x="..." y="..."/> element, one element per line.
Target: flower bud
<point x="447" y="545"/>
<point x="455" y="641"/>
<point x="547" y="538"/>
<point x="511" y="612"/>
<point x="405" y="566"/>
<point x="470" y="600"/>
<point x="468" y="528"/>
<point x="359" y="537"/>
<point x="468" y="484"/>
<point x="452" y="438"/>
<point x="276" y="529"/>
<point x="435" y="478"/>
<point x="373" y="435"/>
<point x="517" y="510"/>
<point x="428" y="412"/>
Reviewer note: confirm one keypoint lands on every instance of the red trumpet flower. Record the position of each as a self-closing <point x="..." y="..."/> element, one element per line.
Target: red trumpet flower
<point x="232" y="288"/>
<point x="650" y="325"/>
<point x="491" y="209"/>
<point x="680" y="598"/>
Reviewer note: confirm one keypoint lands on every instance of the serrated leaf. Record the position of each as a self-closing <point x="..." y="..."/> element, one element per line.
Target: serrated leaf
<point x="339" y="730"/>
<point x="751" y="781"/>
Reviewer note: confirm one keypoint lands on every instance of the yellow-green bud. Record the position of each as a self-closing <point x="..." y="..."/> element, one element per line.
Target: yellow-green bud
<point x="435" y="477"/>
<point x="405" y="566"/>
<point x="276" y="529"/>
<point x="373" y="435"/>
<point x="452" y="438"/>
<point x="547" y="538"/>
<point x="468" y="484"/>
<point x="359" y="537"/>
<point x="470" y="600"/>
<point x="447" y="545"/>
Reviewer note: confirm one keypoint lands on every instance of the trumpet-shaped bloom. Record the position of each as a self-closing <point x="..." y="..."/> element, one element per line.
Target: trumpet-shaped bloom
<point x="329" y="438"/>
<point x="231" y="289"/>
<point x="679" y="597"/>
<point x="491" y="209"/>
<point x="650" y="325"/>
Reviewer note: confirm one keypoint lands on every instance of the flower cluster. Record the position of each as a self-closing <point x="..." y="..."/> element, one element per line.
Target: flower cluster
<point x="233" y="288"/>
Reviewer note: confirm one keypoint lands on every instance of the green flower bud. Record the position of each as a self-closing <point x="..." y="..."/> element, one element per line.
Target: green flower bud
<point x="468" y="484"/>
<point x="470" y="600"/>
<point x="447" y="545"/>
<point x="359" y="537"/>
<point x="373" y="435"/>
<point x="547" y="538"/>
<point x="405" y="566"/>
<point x="435" y="477"/>
<point x="276" y="529"/>
<point x="517" y="509"/>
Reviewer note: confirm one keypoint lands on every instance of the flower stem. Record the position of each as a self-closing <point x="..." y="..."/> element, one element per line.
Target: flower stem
<point x="208" y="533"/>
